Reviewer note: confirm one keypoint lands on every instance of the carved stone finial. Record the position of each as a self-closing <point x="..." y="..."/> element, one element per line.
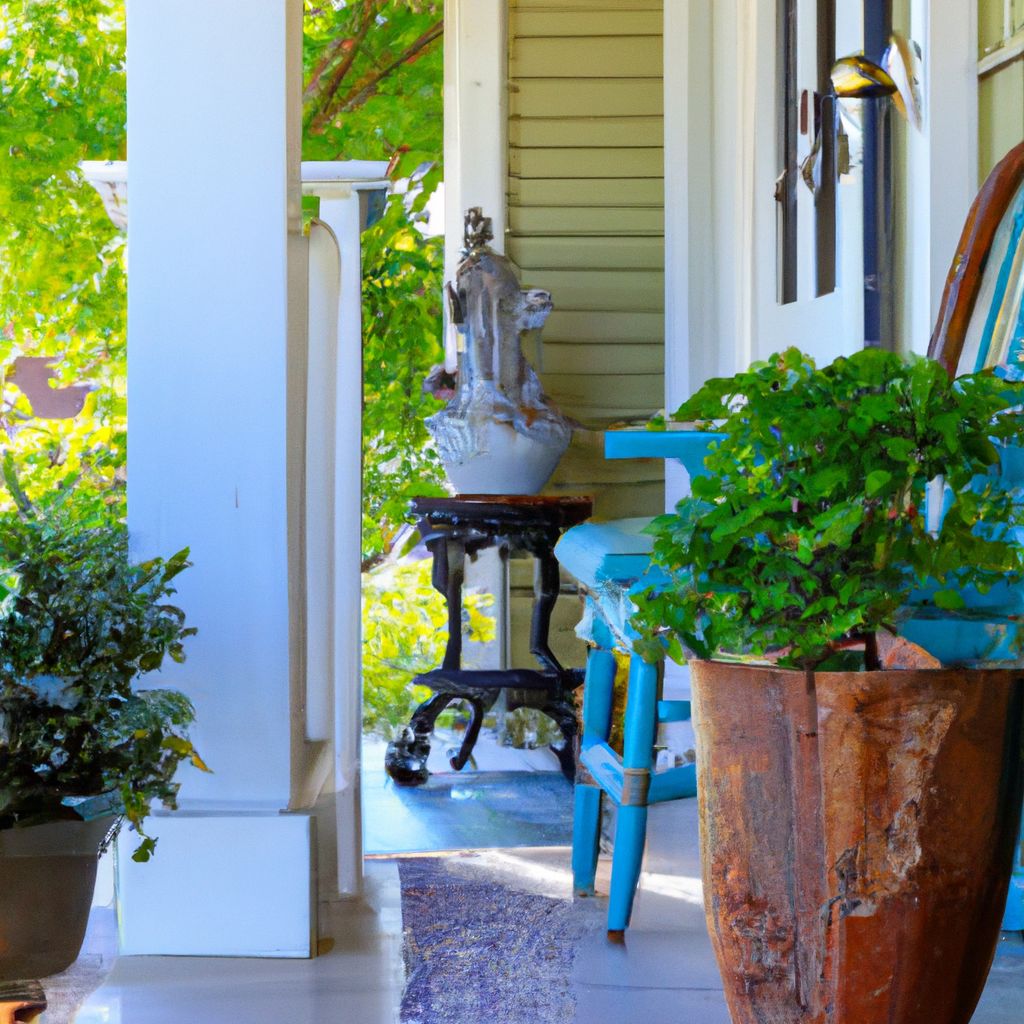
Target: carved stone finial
<point x="478" y="231"/>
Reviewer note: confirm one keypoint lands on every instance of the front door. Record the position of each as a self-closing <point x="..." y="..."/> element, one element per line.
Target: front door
<point x="807" y="272"/>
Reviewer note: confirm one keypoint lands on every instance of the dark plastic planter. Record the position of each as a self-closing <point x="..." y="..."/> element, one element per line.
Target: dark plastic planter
<point x="47" y="877"/>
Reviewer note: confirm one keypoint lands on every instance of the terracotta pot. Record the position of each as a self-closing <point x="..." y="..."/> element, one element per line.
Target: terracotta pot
<point x="857" y="834"/>
<point x="47" y="877"/>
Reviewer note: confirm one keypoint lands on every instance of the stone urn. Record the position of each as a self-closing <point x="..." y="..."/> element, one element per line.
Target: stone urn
<point x="499" y="434"/>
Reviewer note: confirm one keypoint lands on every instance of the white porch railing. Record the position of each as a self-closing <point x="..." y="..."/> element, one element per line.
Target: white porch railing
<point x="333" y="512"/>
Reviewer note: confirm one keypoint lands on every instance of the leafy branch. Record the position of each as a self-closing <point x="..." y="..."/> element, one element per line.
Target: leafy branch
<point x="351" y="67"/>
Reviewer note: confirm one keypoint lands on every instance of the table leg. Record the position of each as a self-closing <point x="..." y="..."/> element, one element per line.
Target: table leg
<point x="458" y="762"/>
<point x="454" y="555"/>
<point x="545" y="594"/>
<point x="406" y="757"/>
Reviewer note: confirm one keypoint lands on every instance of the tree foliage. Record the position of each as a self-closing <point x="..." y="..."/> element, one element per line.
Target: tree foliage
<point x="372" y="79"/>
<point x="807" y="533"/>
<point x="62" y="269"/>
<point x="373" y="91"/>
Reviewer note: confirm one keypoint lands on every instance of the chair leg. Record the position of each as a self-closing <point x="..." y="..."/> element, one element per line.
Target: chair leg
<point x="631" y="827"/>
<point x="598" y="694"/>
<point x="586" y="837"/>
<point x="627" y="857"/>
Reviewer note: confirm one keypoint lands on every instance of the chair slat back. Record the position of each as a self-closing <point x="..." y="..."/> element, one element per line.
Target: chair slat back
<point x="981" y="319"/>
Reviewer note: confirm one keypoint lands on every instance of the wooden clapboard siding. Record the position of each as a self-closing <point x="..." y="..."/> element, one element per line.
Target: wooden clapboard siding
<point x="594" y="131"/>
<point x="613" y="193"/>
<point x="586" y="222"/>
<point x="611" y="290"/>
<point x="1000" y="114"/>
<point x="587" y="162"/>
<point x="594" y="358"/>
<point x="586" y="6"/>
<point x="600" y="253"/>
<point x="597" y="325"/>
<point x="545" y="24"/>
<point x="581" y="221"/>
<point x="586" y="57"/>
<point x="586" y="97"/>
<point x="1000" y="86"/>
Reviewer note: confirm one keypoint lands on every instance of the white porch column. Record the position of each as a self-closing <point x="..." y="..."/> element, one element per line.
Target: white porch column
<point x="333" y="512"/>
<point x="216" y="305"/>
<point x="476" y="174"/>
<point x="475" y="119"/>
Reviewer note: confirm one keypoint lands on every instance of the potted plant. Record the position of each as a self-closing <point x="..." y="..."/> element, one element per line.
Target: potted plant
<point x="80" y="747"/>
<point x="857" y="821"/>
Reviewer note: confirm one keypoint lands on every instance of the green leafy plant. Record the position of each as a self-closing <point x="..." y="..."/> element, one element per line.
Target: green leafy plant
<point x="807" y="535"/>
<point x="79" y="623"/>
<point x="402" y="287"/>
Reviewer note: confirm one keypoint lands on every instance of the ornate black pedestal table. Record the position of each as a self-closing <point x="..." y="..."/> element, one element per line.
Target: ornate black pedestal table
<point x="453" y="528"/>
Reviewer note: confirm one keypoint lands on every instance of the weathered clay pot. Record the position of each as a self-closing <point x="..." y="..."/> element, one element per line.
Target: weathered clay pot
<point x="857" y="833"/>
<point x="47" y="877"/>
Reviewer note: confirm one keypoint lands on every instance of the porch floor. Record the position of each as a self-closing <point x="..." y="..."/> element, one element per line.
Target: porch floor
<point x="504" y="798"/>
<point x="664" y="974"/>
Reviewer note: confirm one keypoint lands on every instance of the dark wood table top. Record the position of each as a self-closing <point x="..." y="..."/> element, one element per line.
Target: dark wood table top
<point x="481" y="510"/>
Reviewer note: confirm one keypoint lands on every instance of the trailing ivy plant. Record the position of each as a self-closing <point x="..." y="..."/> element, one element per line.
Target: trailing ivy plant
<point x="807" y="535"/>
<point x="79" y="623"/>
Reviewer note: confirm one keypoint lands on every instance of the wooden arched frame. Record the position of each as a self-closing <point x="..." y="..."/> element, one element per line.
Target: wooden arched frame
<point x="965" y="274"/>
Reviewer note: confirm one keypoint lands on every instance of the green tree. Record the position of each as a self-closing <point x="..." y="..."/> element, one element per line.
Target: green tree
<point x="373" y="91"/>
<point x="62" y="271"/>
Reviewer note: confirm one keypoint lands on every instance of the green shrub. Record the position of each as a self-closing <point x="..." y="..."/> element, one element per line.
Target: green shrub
<point x="807" y="534"/>
<point x="79" y="623"/>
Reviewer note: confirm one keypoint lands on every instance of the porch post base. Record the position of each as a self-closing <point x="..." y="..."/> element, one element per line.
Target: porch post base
<point x="221" y="883"/>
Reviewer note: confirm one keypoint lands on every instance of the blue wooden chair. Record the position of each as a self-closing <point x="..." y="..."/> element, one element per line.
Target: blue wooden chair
<point x="612" y="561"/>
<point x="981" y="324"/>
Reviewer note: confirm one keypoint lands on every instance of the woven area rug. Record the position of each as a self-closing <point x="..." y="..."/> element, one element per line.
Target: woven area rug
<point x="489" y="940"/>
<point x="66" y="992"/>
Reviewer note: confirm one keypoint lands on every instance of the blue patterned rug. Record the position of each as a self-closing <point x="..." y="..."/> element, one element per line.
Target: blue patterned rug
<point x="486" y="947"/>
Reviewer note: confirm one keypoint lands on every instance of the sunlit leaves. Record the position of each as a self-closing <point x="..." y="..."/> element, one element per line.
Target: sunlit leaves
<point x="373" y="91"/>
<point x="62" y="271"/>
<point x="373" y="80"/>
